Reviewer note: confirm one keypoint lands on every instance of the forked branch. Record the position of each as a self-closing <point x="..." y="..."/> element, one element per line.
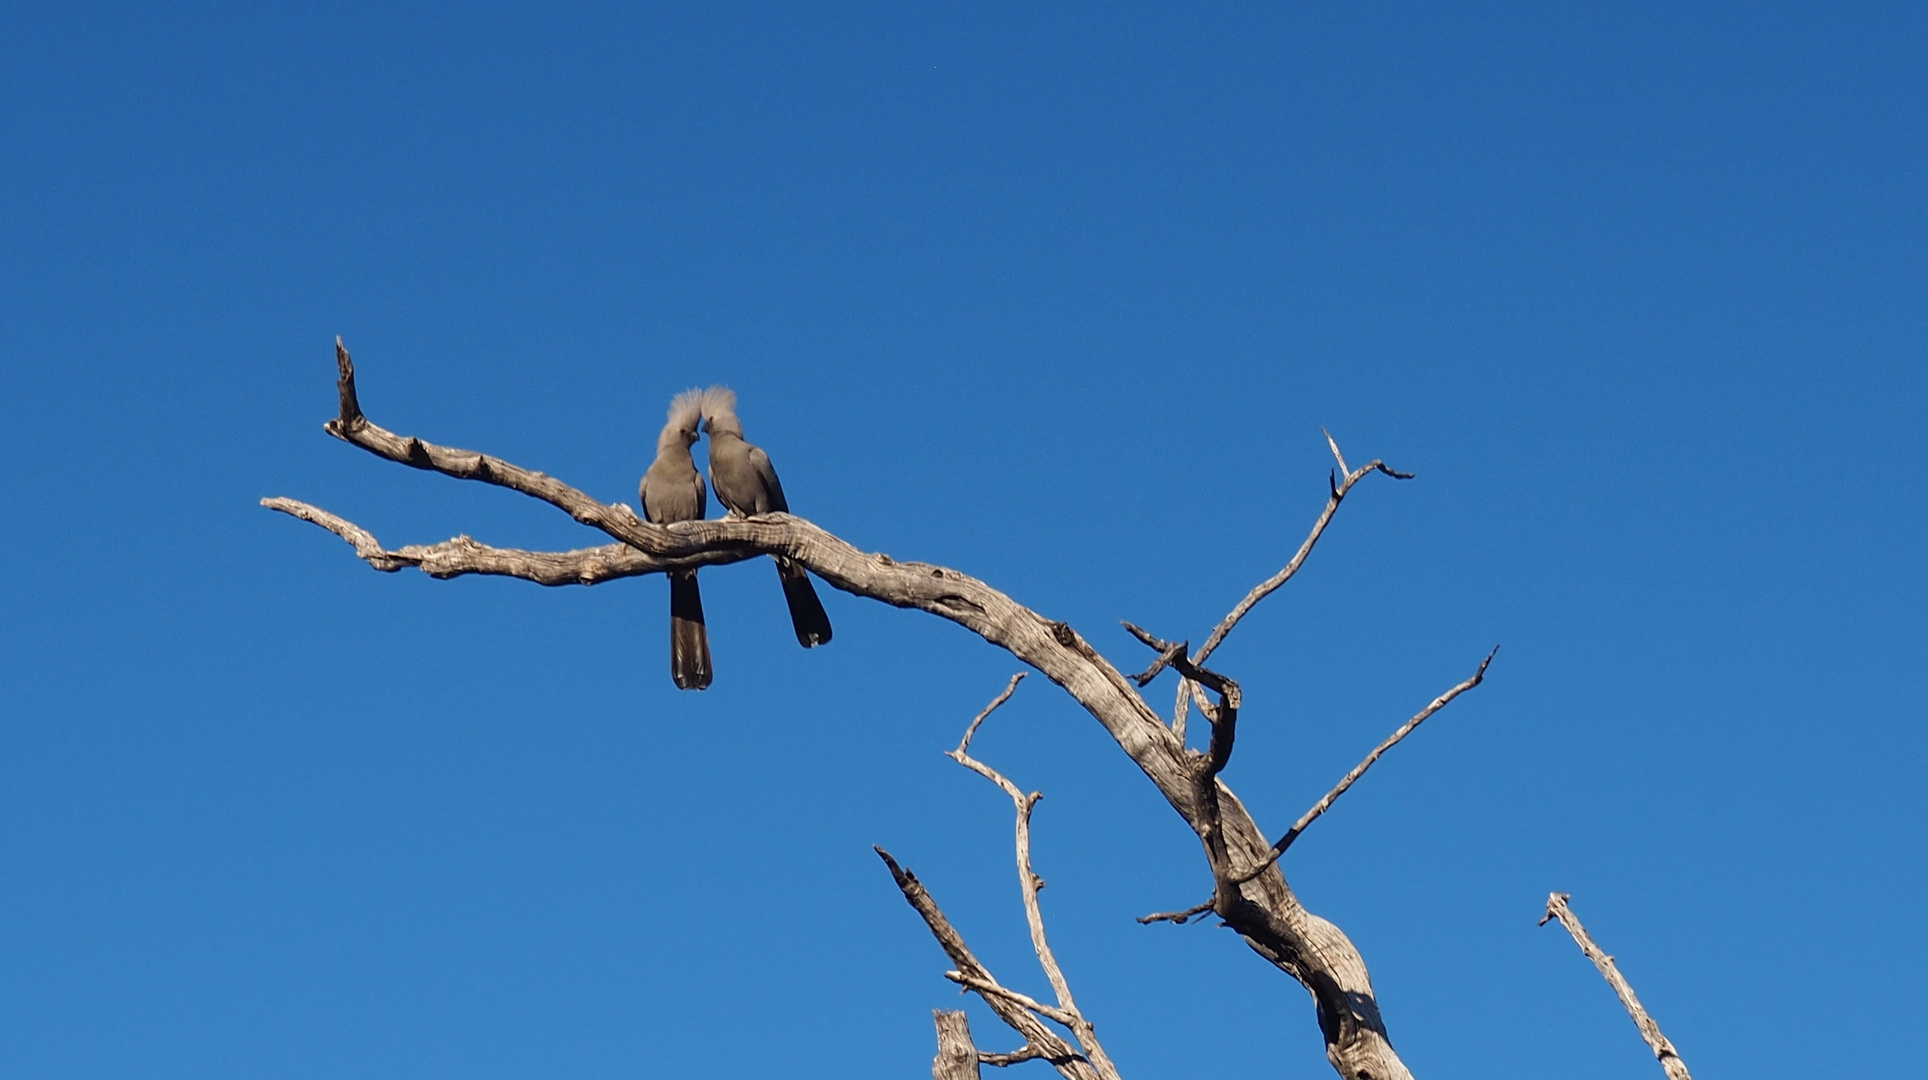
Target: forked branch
<point x="958" y="1057"/>
<point x="1359" y="770"/>
<point x="1029" y="883"/>
<point x="1225" y="878"/>
<point x="1664" y="1052"/>
<point x="1337" y="490"/>
<point x="973" y="974"/>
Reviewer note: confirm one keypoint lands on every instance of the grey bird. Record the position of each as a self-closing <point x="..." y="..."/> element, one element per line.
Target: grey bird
<point x="672" y="490"/>
<point x="746" y="483"/>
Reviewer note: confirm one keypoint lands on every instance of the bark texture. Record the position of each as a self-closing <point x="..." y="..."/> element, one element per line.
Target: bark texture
<point x="956" y="1053"/>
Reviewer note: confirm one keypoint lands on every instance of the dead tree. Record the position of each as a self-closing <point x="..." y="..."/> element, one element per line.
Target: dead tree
<point x="1249" y="892"/>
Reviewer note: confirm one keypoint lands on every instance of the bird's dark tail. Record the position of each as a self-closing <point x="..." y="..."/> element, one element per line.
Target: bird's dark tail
<point x="689" y="639"/>
<point x="807" y="616"/>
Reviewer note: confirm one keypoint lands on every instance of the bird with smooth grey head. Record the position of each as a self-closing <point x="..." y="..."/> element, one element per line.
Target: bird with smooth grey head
<point x="671" y="491"/>
<point x="746" y="483"/>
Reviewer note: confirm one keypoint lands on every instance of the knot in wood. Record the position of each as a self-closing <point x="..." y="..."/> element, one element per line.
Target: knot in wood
<point x="1064" y="634"/>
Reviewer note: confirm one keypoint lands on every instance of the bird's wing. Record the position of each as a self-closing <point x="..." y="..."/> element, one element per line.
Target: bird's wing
<point x="642" y="496"/>
<point x="766" y="472"/>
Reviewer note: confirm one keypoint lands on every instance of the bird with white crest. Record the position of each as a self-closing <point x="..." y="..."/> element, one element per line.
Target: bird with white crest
<point x="746" y="483"/>
<point x="671" y="491"/>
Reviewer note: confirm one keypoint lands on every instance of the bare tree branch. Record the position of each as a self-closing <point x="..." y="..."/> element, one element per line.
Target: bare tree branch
<point x="1664" y="1052"/>
<point x="1180" y="917"/>
<point x="1344" y="469"/>
<point x="462" y="555"/>
<point x="1208" y="791"/>
<point x="1223" y="717"/>
<point x="351" y="415"/>
<point x="993" y="988"/>
<point x="363" y="541"/>
<point x="1022" y="1053"/>
<point x="1197" y="697"/>
<point x="1359" y="770"/>
<point x="957" y="1055"/>
<point x="1338" y="490"/>
<point x="964" y="744"/>
<point x="1049" y="1044"/>
<point x="1028" y="884"/>
<point x="1264" y="911"/>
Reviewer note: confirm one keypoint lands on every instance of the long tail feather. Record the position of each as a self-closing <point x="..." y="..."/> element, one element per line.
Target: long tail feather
<point x="689" y="639"/>
<point x="807" y="616"/>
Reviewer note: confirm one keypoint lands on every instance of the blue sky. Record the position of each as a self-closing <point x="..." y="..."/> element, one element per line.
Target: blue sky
<point x="1061" y="298"/>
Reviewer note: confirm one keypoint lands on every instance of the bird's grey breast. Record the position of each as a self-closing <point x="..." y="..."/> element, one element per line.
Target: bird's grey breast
<point x="672" y="490"/>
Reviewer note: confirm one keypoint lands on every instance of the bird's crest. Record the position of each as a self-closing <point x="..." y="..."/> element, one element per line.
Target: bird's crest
<point x="686" y="408"/>
<point x="719" y="409"/>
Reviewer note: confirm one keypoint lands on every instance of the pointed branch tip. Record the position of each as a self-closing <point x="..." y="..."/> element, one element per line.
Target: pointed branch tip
<point x="1337" y="456"/>
<point x="351" y="414"/>
<point x="964" y="745"/>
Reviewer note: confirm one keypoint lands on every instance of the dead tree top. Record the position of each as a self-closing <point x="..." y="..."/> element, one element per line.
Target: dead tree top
<point x="1249" y="892"/>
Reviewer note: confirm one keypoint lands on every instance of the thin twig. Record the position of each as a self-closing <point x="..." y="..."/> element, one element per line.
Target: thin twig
<point x="964" y="746"/>
<point x="1359" y="770"/>
<point x="1270" y="585"/>
<point x="1337" y="493"/>
<point x="363" y="541"/>
<point x="1028" y="885"/>
<point x="1336" y="455"/>
<point x="991" y="987"/>
<point x="1171" y="653"/>
<point x="1664" y="1052"/>
<point x="463" y="555"/>
<point x="1026" y="1052"/>
<point x="1179" y="917"/>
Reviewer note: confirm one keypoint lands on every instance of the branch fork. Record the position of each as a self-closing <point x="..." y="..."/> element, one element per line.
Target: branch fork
<point x="1091" y="1060"/>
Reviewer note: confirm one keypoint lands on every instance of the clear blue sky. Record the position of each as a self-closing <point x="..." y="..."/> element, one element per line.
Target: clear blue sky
<point x="1060" y="298"/>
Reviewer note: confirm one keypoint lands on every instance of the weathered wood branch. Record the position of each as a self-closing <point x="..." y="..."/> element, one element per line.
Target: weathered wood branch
<point x="1028" y="885"/>
<point x="1338" y="489"/>
<point x="1263" y="910"/>
<point x="1022" y="1053"/>
<point x="1359" y="770"/>
<point x="957" y="1055"/>
<point x="1664" y="1052"/>
<point x="462" y="555"/>
<point x="972" y="973"/>
<point x="1318" y="808"/>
